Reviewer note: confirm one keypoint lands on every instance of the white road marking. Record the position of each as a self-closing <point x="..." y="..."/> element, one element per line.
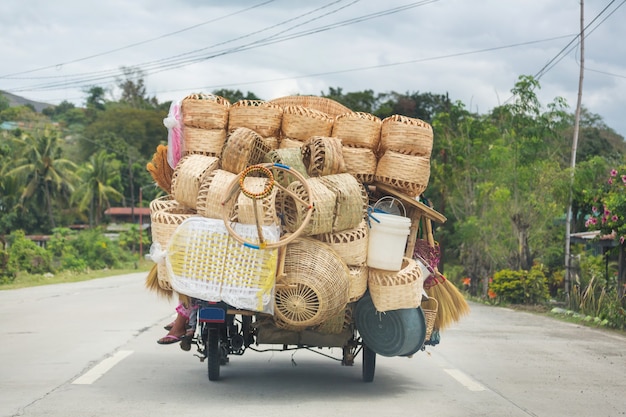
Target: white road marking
<point x="465" y="380"/>
<point x="103" y="367"/>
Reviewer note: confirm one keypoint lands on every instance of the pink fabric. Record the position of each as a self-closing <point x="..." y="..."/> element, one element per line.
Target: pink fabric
<point x="174" y="134"/>
<point x="183" y="311"/>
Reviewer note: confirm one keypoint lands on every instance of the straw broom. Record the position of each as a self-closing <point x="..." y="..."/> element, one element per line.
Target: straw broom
<point x="152" y="283"/>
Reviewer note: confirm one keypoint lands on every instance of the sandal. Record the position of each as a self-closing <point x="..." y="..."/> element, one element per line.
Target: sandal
<point x="185" y="340"/>
<point x="169" y="339"/>
<point x="169" y="326"/>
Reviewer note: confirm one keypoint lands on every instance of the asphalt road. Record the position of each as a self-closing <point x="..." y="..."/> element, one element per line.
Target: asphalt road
<point x="88" y="349"/>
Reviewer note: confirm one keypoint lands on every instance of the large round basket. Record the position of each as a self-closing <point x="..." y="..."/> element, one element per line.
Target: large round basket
<point x="358" y="129"/>
<point x="406" y="135"/>
<point x="406" y="173"/>
<point x="189" y="174"/>
<point x="323" y="104"/>
<point x="314" y="287"/>
<point x="244" y="147"/>
<point x="165" y="220"/>
<point x="350" y="244"/>
<point x="394" y="290"/>
<point x="360" y="162"/>
<point x="324" y="201"/>
<point x="261" y="116"/>
<point x="291" y="157"/>
<point x="212" y="192"/>
<point x="166" y="201"/>
<point x="351" y="200"/>
<point x="300" y="123"/>
<point x="203" y="141"/>
<point x="322" y="156"/>
<point x="395" y="333"/>
<point x="206" y="111"/>
<point x="358" y="282"/>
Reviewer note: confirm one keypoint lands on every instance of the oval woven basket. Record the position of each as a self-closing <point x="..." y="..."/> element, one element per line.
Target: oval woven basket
<point x="358" y="129"/>
<point x="244" y="210"/>
<point x="322" y="155"/>
<point x="212" y="192"/>
<point x="165" y="220"/>
<point x="300" y="123"/>
<point x="314" y="287"/>
<point x="394" y="290"/>
<point x="163" y="202"/>
<point x="325" y="105"/>
<point x="324" y="201"/>
<point x="407" y="173"/>
<point x="203" y="141"/>
<point x="406" y="135"/>
<point x="243" y="147"/>
<point x="205" y="111"/>
<point x="350" y="245"/>
<point x="261" y="116"/>
<point x="291" y="157"/>
<point x="189" y="174"/>
<point x="358" y="282"/>
<point x="351" y="200"/>
<point x="360" y="162"/>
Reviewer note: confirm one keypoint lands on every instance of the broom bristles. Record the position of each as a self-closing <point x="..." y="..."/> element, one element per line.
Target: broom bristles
<point x="152" y="283"/>
<point x="452" y="304"/>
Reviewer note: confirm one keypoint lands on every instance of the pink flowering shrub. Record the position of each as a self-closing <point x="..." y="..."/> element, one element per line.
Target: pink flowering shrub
<point x="609" y="213"/>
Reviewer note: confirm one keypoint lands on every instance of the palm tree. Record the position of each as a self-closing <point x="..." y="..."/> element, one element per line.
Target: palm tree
<point x="43" y="173"/>
<point x="96" y="190"/>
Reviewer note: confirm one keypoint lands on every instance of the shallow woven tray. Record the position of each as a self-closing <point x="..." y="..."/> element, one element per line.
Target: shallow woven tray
<point x="205" y="111"/>
<point x="322" y="155"/>
<point x="351" y="200"/>
<point x="395" y="290"/>
<point x="212" y="192"/>
<point x="360" y="162"/>
<point x="261" y="116"/>
<point x="300" y="123"/>
<point x="203" y="141"/>
<point x="350" y="245"/>
<point x="406" y="173"/>
<point x="324" y="201"/>
<point x="323" y="104"/>
<point x="243" y="147"/>
<point x="292" y="157"/>
<point x="315" y="284"/>
<point x="188" y="175"/>
<point x="358" y="129"/>
<point x="406" y="135"/>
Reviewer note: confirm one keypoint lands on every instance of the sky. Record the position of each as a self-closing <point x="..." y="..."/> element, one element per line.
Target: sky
<point x="473" y="50"/>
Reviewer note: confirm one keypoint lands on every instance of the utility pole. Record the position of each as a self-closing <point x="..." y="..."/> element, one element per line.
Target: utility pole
<point x="568" y="224"/>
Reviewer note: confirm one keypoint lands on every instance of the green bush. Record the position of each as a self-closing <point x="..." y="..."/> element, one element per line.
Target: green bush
<point x="98" y="251"/>
<point x="26" y="256"/>
<point x="520" y="287"/>
<point x="64" y="253"/>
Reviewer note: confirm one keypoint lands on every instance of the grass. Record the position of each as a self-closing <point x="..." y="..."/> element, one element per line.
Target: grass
<point x="27" y="280"/>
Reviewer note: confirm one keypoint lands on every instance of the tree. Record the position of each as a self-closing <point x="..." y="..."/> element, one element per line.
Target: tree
<point x="234" y="96"/>
<point x="44" y="174"/>
<point x="133" y="89"/>
<point x="100" y="181"/>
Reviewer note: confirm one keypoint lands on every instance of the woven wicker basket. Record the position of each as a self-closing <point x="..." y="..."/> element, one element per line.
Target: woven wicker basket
<point x="360" y="162"/>
<point x="323" y="104"/>
<point x="212" y="192"/>
<point x="358" y="129"/>
<point x="337" y="323"/>
<point x="161" y="203"/>
<point x="314" y="287"/>
<point x="272" y="142"/>
<point x="244" y="147"/>
<point x="358" y="282"/>
<point x="323" y="216"/>
<point x="351" y="200"/>
<point x="205" y="111"/>
<point x="406" y="173"/>
<point x="300" y="123"/>
<point x="261" y="116"/>
<point x="430" y="307"/>
<point x="165" y="219"/>
<point x="322" y="156"/>
<point x="406" y="135"/>
<point x="288" y="143"/>
<point x="394" y="290"/>
<point x="188" y="175"/>
<point x="203" y="141"/>
<point x="350" y="245"/>
<point x="265" y="207"/>
<point x="291" y="157"/>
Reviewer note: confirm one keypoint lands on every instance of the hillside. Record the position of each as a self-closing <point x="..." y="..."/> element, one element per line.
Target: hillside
<point x="20" y="101"/>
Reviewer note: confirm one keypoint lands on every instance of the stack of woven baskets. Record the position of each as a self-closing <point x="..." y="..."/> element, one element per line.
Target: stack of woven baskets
<point x="339" y="153"/>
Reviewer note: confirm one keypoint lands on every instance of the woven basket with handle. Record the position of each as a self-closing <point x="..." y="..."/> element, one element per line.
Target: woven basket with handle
<point x="189" y="174"/>
<point x="360" y="162"/>
<point x="205" y="111"/>
<point x="300" y="123"/>
<point x="394" y="290"/>
<point x="322" y="155"/>
<point x="409" y="174"/>
<point x="350" y="244"/>
<point x="322" y="104"/>
<point x="203" y="141"/>
<point x="244" y="147"/>
<point x="261" y="116"/>
<point x="358" y="129"/>
<point x="406" y="135"/>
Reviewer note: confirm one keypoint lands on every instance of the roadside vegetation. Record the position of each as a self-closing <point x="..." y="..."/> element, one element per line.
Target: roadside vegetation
<point x="502" y="179"/>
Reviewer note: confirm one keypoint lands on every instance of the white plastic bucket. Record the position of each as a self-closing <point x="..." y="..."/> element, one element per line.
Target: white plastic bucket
<point x="387" y="241"/>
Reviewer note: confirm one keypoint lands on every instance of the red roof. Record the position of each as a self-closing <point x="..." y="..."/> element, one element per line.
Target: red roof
<point x="127" y="211"/>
